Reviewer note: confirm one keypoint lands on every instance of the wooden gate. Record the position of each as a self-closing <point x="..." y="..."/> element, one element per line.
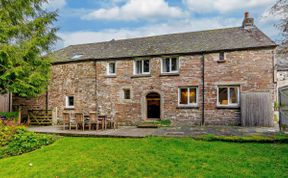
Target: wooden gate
<point x="256" y="109"/>
<point x="4" y="103"/>
<point x="40" y="117"/>
<point x="283" y="108"/>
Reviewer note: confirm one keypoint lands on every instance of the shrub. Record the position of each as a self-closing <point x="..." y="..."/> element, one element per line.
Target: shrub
<point x="25" y="141"/>
<point x="9" y="115"/>
<point x="17" y="140"/>
<point x="6" y="133"/>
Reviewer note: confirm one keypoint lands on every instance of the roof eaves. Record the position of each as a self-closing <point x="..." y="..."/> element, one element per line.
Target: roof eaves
<point x="159" y="55"/>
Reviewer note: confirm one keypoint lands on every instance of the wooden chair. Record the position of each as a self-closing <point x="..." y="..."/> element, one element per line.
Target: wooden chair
<point x="93" y="120"/>
<point x="79" y="119"/>
<point x="103" y="121"/>
<point x="66" y="120"/>
<point x="111" y="122"/>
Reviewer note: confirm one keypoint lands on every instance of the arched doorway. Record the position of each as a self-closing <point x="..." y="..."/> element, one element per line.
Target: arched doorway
<point x="153" y="105"/>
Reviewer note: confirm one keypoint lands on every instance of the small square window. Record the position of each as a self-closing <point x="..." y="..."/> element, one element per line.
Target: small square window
<point x="69" y="102"/>
<point x="127" y="94"/>
<point x="111" y="68"/>
<point x="221" y="56"/>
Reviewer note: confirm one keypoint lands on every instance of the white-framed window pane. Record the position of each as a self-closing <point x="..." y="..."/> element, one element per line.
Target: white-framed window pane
<point x="174" y="64"/>
<point x="192" y="95"/>
<point x="111" y="68"/>
<point x="138" y="67"/>
<point x="70" y="101"/>
<point x="183" y="96"/>
<point x="146" y="66"/>
<point x="234" y="95"/>
<point x="166" y="65"/>
<point x="223" y="96"/>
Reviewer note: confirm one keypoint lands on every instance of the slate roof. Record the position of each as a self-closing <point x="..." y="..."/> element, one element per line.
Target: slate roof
<point x="235" y="38"/>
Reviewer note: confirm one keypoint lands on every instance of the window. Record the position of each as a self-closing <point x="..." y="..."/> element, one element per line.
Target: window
<point x="228" y="96"/>
<point x="76" y="56"/>
<point x="188" y="96"/>
<point x="221" y="56"/>
<point x="142" y="67"/>
<point x="127" y="94"/>
<point x="111" y="69"/>
<point x="170" y="65"/>
<point x="69" y="102"/>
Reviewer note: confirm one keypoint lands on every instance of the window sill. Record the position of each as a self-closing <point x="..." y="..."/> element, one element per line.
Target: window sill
<point x="110" y="76"/>
<point x="69" y="108"/>
<point x="141" y="75"/>
<point x="187" y="107"/>
<point x="221" y="61"/>
<point x="227" y="107"/>
<point x="169" y="74"/>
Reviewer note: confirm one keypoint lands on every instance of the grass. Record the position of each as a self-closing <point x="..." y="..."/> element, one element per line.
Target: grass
<point x="275" y="138"/>
<point x="149" y="157"/>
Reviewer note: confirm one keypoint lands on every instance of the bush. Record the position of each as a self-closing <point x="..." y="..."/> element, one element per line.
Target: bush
<point x="9" y="115"/>
<point x="17" y="140"/>
<point x="7" y="133"/>
<point x="25" y="141"/>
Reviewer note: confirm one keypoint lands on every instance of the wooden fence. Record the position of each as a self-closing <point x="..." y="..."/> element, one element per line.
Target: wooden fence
<point x="40" y="117"/>
<point x="283" y="108"/>
<point x="256" y="109"/>
<point x="4" y="103"/>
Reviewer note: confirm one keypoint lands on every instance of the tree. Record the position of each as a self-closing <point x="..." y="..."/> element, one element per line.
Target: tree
<point x="26" y="34"/>
<point x="281" y="9"/>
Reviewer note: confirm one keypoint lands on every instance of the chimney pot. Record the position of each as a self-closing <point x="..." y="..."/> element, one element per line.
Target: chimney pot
<point x="246" y="15"/>
<point x="248" y="22"/>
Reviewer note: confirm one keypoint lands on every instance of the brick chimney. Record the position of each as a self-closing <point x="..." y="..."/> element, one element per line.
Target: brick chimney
<point x="247" y="22"/>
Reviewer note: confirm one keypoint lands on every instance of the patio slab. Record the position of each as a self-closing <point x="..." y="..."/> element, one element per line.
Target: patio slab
<point x="134" y="132"/>
<point x="128" y="131"/>
<point x="216" y="130"/>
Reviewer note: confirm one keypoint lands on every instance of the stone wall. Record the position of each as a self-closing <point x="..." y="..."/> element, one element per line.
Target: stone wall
<point x="251" y="70"/>
<point x="94" y="90"/>
<point x="73" y="79"/>
<point x="25" y="104"/>
<point x="110" y="90"/>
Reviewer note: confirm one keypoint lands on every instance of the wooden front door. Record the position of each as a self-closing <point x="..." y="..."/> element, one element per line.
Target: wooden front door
<point x="153" y="106"/>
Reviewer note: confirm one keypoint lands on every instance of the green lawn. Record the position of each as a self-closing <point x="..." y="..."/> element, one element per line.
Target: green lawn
<point x="149" y="157"/>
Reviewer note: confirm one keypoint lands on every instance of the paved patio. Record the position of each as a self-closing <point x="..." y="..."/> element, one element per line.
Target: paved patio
<point x="134" y="132"/>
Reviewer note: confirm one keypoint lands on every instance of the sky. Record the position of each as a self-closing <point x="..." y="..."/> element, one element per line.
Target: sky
<point x="87" y="21"/>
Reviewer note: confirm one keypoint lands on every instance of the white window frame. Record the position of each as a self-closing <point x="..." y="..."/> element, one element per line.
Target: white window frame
<point x="108" y="68"/>
<point x="67" y="102"/>
<point x="170" y="65"/>
<point x="188" y="100"/>
<point x="228" y="93"/>
<point x="142" y="65"/>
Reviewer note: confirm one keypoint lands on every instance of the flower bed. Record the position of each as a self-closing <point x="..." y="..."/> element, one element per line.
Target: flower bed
<point x="15" y="140"/>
